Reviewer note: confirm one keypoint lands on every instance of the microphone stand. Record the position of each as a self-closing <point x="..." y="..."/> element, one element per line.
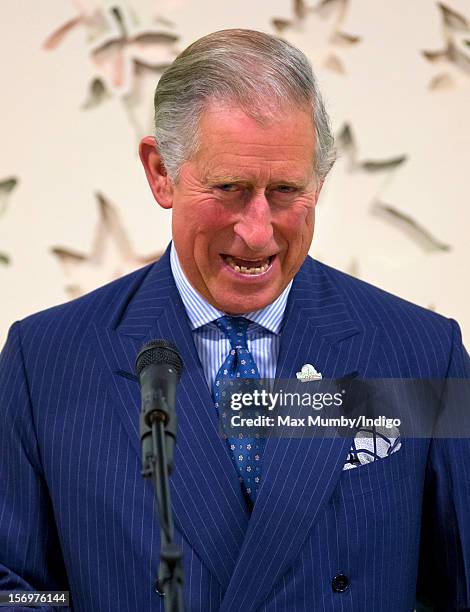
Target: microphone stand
<point x="157" y="447"/>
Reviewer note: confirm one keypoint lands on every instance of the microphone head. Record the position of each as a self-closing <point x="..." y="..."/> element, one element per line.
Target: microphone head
<point x="159" y="352"/>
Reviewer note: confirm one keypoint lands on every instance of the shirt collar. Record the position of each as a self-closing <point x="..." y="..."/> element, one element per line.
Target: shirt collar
<point x="200" y="312"/>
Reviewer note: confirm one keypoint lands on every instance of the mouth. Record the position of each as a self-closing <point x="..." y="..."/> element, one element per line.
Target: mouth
<point x="248" y="267"/>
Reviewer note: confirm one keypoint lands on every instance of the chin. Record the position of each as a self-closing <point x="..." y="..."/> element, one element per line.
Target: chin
<point x="242" y="306"/>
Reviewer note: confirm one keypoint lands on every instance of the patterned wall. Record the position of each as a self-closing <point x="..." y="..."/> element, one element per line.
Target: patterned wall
<point x="75" y="210"/>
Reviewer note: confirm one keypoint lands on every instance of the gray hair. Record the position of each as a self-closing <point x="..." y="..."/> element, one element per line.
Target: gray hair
<point x="261" y="74"/>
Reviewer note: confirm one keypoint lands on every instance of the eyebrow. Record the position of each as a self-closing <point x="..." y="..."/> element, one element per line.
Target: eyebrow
<point x="223" y="179"/>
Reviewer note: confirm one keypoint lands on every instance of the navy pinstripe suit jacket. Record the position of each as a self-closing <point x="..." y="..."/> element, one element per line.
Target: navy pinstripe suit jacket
<point x="76" y="514"/>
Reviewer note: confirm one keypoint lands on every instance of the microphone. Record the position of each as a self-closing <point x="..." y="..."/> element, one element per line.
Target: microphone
<point x="158" y="367"/>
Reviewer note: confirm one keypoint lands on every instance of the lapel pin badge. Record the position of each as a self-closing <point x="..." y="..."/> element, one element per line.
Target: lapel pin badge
<point x="308" y="373"/>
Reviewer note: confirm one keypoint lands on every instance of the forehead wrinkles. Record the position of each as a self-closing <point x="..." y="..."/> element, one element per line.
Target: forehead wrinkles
<point x="271" y="151"/>
<point x="248" y="143"/>
<point x="232" y="139"/>
<point x="241" y="166"/>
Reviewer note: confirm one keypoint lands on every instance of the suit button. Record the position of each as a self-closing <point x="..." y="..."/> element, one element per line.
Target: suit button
<point x="340" y="583"/>
<point x="159" y="588"/>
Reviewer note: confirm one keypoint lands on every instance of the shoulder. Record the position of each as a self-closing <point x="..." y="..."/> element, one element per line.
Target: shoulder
<point x="423" y="338"/>
<point x="372" y="303"/>
<point x="76" y="317"/>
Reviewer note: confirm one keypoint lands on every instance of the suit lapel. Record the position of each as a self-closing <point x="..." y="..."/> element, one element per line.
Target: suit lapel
<point x="209" y="509"/>
<point x="299" y="475"/>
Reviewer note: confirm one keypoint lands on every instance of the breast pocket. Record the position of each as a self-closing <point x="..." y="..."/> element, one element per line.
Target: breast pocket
<point x="384" y="472"/>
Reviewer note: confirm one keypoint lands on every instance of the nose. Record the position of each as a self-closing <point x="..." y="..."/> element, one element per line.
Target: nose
<point x="254" y="225"/>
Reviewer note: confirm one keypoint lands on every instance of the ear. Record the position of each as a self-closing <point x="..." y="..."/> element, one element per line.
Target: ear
<point x="159" y="181"/>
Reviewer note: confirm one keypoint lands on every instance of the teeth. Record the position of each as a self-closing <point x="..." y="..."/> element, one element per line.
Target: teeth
<point x="244" y="269"/>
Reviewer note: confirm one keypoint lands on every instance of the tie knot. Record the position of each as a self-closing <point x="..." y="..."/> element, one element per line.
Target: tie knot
<point x="235" y="330"/>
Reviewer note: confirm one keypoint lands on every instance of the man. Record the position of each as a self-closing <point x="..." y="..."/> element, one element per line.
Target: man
<point x="241" y="151"/>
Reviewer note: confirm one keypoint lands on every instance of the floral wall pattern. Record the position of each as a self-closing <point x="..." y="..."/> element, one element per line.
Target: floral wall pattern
<point x="75" y="211"/>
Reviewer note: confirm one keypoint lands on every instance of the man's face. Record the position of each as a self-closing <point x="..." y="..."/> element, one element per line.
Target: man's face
<point x="243" y="207"/>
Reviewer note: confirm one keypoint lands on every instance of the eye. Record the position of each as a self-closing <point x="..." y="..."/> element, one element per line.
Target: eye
<point x="286" y="189"/>
<point x="227" y="187"/>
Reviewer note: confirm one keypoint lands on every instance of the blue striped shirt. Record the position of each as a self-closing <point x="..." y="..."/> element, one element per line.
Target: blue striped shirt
<point x="263" y="332"/>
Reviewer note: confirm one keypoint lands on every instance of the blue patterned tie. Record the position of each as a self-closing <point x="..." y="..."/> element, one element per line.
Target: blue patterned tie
<point x="246" y="452"/>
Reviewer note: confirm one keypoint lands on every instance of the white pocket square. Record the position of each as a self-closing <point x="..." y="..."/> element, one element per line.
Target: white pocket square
<point x="372" y="444"/>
